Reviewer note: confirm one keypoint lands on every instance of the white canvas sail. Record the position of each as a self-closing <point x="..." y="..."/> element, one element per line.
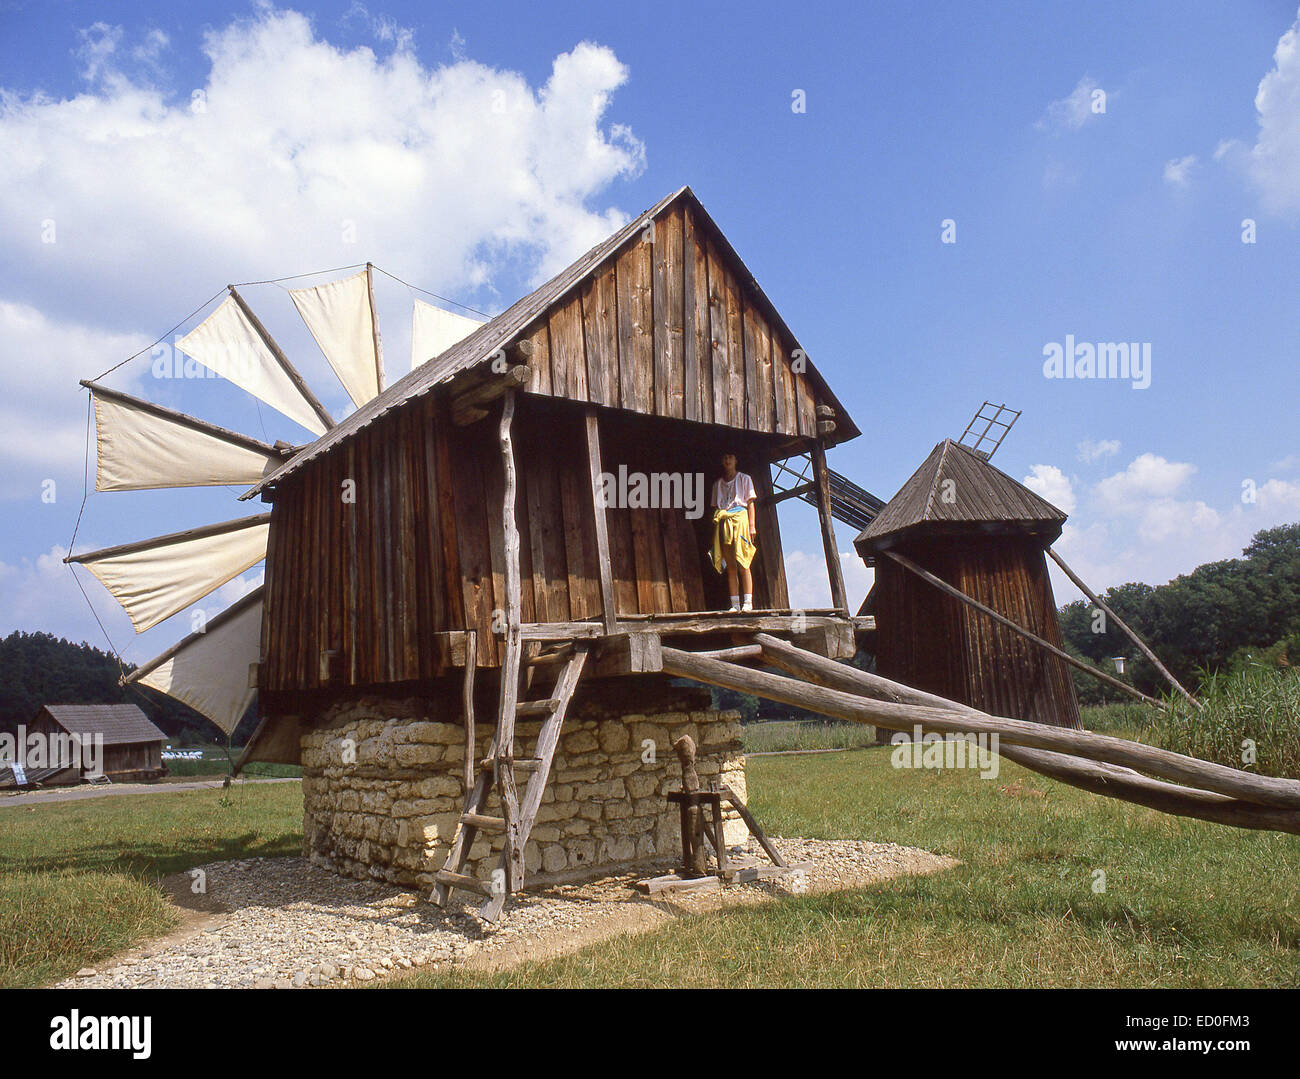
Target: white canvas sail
<point x="227" y="344"/>
<point x="341" y="319"/>
<point x="156" y="578"/>
<point x="434" y="330"/>
<point x="140" y="448"/>
<point x="209" y="671"/>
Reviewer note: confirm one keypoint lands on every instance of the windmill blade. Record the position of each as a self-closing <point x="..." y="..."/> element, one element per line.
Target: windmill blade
<point x="143" y="446"/>
<point x="210" y="670"/>
<point x="234" y="344"/>
<point x="153" y="579"/>
<point x="341" y="316"/>
<point x="434" y="330"/>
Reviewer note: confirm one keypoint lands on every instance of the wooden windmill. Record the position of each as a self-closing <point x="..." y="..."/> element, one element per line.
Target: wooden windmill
<point x="142" y="445"/>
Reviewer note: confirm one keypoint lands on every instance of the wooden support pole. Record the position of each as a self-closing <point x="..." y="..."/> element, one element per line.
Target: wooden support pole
<point x="1096" y="777"/>
<point x="839" y="599"/>
<point x="288" y="368"/>
<point x="1132" y="636"/>
<point x="1218" y="778"/>
<point x="607" y="599"/>
<point x="374" y="326"/>
<point x="958" y="594"/>
<point x="510" y="661"/>
<point x="467" y="701"/>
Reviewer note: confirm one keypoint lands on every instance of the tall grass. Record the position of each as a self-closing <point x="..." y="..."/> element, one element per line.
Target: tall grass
<point x="782" y="735"/>
<point x="1256" y="705"/>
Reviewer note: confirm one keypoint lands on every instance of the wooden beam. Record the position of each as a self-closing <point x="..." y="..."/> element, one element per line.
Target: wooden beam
<point x="793" y="492"/>
<point x="1097" y="777"/>
<point x="989" y="612"/>
<point x="505" y="776"/>
<point x="202" y="532"/>
<point x="839" y="598"/>
<point x="278" y="451"/>
<point x="288" y="368"/>
<point x="374" y="325"/>
<point x="1132" y="636"/>
<point x="467" y="702"/>
<point x="607" y="599"/>
<point x="1204" y="775"/>
<point x="469" y="404"/>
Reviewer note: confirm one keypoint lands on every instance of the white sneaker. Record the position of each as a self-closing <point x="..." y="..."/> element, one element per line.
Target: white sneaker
<point x="747" y="607"/>
<point x="733" y="609"/>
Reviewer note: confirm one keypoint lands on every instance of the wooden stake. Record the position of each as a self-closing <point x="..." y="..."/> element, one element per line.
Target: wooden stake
<point x="607" y="603"/>
<point x="1132" y="636"/>
<point x="467" y="699"/>
<point x="839" y="599"/>
<point x="510" y="661"/>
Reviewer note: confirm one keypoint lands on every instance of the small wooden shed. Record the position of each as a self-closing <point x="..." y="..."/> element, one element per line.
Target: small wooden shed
<point x="132" y="745"/>
<point x="974" y="527"/>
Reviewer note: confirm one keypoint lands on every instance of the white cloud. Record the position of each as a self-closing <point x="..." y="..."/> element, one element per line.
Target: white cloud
<point x="1147" y="478"/>
<point x="1090" y="452"/>
<point x="1275" y="157"/>
<point x="808" y="583"/>
<point x="1289" y="463"/>
<point x="1178" y="171"/>
<point x="1053" y="484"/>
<point x="448" y="174"/>
<point x="1071" y="112"/>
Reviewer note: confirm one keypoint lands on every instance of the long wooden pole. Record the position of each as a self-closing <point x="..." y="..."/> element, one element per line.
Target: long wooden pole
<point x="374" y="328"/>
<point x="1218" y="778"/>
<point x="957" y="593"/>
<point x="1132" y="636"/>
<point x="299" y="383"/>
<point x="467" y="701"/>
<point x="609" y="610"/>
<point x="1096" y="777"/>
<point x="839" y="598"/>
<point x="505" y="750"/>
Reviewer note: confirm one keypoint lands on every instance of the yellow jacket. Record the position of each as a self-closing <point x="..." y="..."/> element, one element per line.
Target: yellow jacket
<point x="731" y="537"/>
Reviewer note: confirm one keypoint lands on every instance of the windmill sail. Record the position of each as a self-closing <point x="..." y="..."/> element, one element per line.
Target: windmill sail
<point x="227" y="343"/>
<point x="155" y="578"/>
<point x="142" y="446"/>
<point x="434" y="330"/>
<point x="341" y="316"/>
<point x="209" y="670"/>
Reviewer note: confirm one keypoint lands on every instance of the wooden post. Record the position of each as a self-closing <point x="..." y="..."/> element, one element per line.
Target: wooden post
<point x="467" y="699"/>
<point x="839" y="600"/>
<point x="1132" y="636"/>
<point x="693" y="853"/>
<point x="374" y="326"/>
<point x="1060" y="653"/>
<point x="607" y="599"/>
<point x="288" y="368"/>
<point x="505" y="749"/>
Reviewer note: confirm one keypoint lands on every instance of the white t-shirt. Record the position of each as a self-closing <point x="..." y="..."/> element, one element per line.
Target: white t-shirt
<point x="728" y="494"/>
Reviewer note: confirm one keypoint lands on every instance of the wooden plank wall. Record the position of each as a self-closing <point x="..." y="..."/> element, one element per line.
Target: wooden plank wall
<point x="667" y="329"/>
<point x="414" y="552"/>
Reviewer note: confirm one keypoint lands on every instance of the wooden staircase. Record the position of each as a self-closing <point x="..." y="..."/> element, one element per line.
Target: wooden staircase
<point x="498" y="770"/>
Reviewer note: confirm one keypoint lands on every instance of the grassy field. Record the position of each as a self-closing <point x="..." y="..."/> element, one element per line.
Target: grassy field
<point x="1185" y="904"/>
<point x="776" y="736"/>
<point x="77" y="879"/>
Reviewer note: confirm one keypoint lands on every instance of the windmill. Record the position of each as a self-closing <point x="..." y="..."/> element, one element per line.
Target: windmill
<point x="142" y="445"/>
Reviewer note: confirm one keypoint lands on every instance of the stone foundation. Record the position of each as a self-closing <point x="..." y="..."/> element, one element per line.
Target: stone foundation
<point x="383" y="786"/>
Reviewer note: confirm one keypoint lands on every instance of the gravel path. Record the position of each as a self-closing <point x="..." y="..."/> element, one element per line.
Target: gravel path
<point x="284" y="923"/>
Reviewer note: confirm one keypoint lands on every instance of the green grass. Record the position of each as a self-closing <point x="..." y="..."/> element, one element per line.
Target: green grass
<point x="216" y="761"/>
<point x="78" y="879"/>
<point x="773" y="736"/>
<point x="1186" y="904"/>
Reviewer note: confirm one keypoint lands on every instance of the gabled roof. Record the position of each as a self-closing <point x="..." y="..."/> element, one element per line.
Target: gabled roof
<point x="957" y="486"/>
<point x="509" y="326"/>
<point x="119" y="724"/>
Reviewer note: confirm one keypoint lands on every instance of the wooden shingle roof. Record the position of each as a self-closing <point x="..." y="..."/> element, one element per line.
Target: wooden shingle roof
<point x="955" y="487"/>
<point x="514" y="323"/>
<point x="118" y="724"/>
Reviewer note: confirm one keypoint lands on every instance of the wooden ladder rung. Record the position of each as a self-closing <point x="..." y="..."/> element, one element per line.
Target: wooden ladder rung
<point x="522" y="764"/>
<point x="463" y="881"/>
<point x="536" y="708"/>
<point x="484" y="821"/>
<point x="545" y="659"/>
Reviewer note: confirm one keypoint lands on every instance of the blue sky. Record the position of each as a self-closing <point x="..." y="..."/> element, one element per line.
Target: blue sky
<point x="1117" y="225"/>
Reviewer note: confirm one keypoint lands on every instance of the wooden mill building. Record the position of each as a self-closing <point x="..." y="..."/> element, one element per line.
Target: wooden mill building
<point x="975" y="528"/>
<point x="451" y="524"/>
<point x="132" y="745"/>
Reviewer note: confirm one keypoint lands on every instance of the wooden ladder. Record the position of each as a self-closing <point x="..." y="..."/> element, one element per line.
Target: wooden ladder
<point x="497" y="770"/>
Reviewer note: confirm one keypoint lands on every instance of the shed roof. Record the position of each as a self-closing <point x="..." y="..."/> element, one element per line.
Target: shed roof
<point x="119" y="724"/>
<point x="979" y="494"/>
<point x="509" y="326"/>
